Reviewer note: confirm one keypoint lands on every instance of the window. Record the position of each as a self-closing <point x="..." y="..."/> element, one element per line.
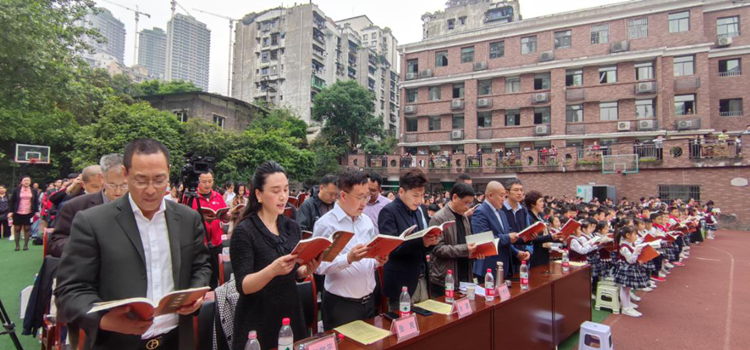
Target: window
<point x="608" y="110"/>
<point x="574" y="114"/>
<point x="434" y="93"/>
<point x="458" y="121"/>
<point x="668" y="193"/>
<point x="441" y="58"/>
<point x="434" y="123"/>
<point x="541" y="81"/>
<point x="462" y="20"/>
<point x="451" y="24"/>
<point x="644" y="108"/>
<point x="563" y="39"/>
<point x="679" y="22"/>
<point x="512" y="85"/>
<point x="182" y="116"/>
<point x="484" y="87"/>
<point x="683" y="65"/>
<point x="497" y="49"/>
<point x="485" y="147"/>
<point x="484" y="119"/>
<point x="607" y="75"/>
<point x="412" y="66"/>
<point x="638" y="28"/>
<point x="458" y="90"/>
<point x="411" y="95"/>
<point x="528" y="45"/>
<point x="731" y="67"/>
<point x="457" y="149"/>
<point x="364" y="37"/>
<point x="728" y="27"/>
<point x="512" y="117"/>
<point x="264" y="56"/>
<point x="600" y="34"/>
<point x="219" y="120"/>
<point x="684" y="104"/>
<point x="542" y="115"/>
<point x="411" y="125"/>
<point x="467" y="54"/>
<point x="644" y="71"/>
<point x="730" y="108"/>
<point x="264" y="71"/>
<point x="574" y="78"/>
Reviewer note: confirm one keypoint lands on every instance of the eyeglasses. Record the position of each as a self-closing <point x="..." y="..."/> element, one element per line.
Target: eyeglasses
<point x="364" y="199"/>
<point x="142" y="185"/>
<point x="123" y="187"/>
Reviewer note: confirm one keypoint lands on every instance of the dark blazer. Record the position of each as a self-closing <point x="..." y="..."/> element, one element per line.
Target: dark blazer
<point x="15" y="200"/>
<point x="518" y="222"/>
<point x="104" y="260"/>
<point x="541" y="254"/>
<point x="405" y="262"/>
<point x="65" y="219"/>
<point x="483" y="220"/>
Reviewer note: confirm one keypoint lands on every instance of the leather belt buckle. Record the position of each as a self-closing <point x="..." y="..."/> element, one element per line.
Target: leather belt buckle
<point x="153" y="343"/>
<point x="365" y="299"/>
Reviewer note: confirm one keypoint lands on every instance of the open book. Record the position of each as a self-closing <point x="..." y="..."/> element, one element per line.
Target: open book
<point x="486" y="244"/>
<point x="310" y="248"/>
<point x="432" y="230"/>
<point x="535" y="229"/>
<point x="214" y="213"/>
<point x="382" y="245"/>
<point x="147" y="309"/>
<point x="569" y="228"/>
<point x="647" y="254"/>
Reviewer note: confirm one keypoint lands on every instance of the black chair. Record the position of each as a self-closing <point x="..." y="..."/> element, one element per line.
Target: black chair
<point x="203" y="325"/>
<point x="225" y="269"/>
<point x="381" y="304"/>
<point x="308" y="296"/>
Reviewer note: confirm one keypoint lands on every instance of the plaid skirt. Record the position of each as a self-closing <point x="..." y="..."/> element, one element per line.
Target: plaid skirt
<point x="650" y="266"/>
<point x="631" y="275"/>
<point x="598" y="268"/>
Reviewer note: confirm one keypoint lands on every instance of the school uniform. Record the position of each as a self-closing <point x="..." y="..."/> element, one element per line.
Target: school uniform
<point x="629" y="273"/>
<point x="598" y="268"/>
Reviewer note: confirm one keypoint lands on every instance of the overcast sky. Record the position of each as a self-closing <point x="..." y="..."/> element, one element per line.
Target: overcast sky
<point x="403" y="17"/>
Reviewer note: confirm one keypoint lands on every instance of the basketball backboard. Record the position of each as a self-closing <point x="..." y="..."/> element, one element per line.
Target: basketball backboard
<point x="32" y="154"/>
<point x="620" y="164"/>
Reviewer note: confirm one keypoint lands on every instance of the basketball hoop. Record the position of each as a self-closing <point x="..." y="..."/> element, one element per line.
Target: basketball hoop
<point x="33" y="160"/>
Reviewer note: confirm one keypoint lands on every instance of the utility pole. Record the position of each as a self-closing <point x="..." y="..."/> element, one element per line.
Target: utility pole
<point x="229" y="59"/>
<point x="137" y="17"/>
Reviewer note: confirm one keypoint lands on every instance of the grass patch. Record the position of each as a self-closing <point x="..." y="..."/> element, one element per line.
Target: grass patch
<point x="572" y="341"/>
<point x="18" y="271"/>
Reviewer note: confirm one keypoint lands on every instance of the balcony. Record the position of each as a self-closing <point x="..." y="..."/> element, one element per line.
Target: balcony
<point x="575" y="129"/>
<point x="484" y="133"/>
<point x="707" y="150"/>
<point x="686" y="84"/>
<point x="734" y="73"/>
<point x="730" y="114"/>
<point x="575" y="94"/>
<point x="410" y="137"/>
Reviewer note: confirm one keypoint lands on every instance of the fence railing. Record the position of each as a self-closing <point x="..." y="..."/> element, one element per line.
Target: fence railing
<point x="714" y="150"/>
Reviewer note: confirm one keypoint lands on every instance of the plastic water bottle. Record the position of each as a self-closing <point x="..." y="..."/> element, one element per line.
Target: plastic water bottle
<point x="252" y="341"/>
<point x="524" y="276"/>
<point x="449" y="287"/>
<point x="565" y="261"/>
<point x="404" y="303"/>
<point x="489" y="286"/>
<point x="286" y="337"/>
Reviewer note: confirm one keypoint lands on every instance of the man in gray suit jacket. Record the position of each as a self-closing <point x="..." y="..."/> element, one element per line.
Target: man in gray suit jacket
<point x="136" y="246"/>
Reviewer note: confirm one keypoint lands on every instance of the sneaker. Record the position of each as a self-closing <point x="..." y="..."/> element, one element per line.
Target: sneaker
<point x="634" y="297"/>
<point x="663" y="275"/>
<point x="629" y="311"/>
<point x="647" y="289"/>
<point x="687" y="247"/>
<point x="652" y="284"/>
<point x="669" y="266"/>
<point x="657" y="278"/>
<point x="635" y="306"/>
<point x="677" y="263"/>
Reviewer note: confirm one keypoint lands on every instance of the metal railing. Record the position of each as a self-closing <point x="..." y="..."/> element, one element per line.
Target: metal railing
<point x="701" y="149"/>
<point x="546" y="158"/>
<point x="591" y="153"/>
<point x="730" y="73"/>
<point x="730" y="113"/>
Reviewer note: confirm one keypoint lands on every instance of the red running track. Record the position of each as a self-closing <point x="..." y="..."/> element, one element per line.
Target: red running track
<point x="703" y="305"/>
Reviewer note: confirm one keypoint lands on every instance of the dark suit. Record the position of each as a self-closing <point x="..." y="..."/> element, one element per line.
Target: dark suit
<point x="406" y="262"/>
<point x="483" y="220"/>
<point x="518" y="222"/>
<point x="104" y="260"/>
<point x="65" y="219"/>
<point x="541" y="254"/>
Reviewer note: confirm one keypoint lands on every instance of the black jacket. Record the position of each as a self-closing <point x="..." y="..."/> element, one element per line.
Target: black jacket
<point x="541" y="254"/>
<point x="65" y="220"/>
<point x="4" y="207"/>
<point x="407" y="261"/>
<point x="15" y="200"/>
<point x="309" y="212"/>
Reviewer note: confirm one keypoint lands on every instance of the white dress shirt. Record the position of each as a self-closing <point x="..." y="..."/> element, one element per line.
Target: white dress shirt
<point x="355" y="280"/>
<point x="155" y="239"/>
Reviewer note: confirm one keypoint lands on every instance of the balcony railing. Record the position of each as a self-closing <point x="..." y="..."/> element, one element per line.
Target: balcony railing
<point x="547" y="157"/>
<point x="730" y="114"/>
<point x="701" y="149"/>
<point x="648" y="151"/>
<point x="730" y="73"/>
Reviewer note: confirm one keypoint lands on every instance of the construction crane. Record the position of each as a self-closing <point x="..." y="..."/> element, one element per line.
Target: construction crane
<point x="174" y="4"/>
<point x="229" y="59"/>
<point x="137" y="17"/>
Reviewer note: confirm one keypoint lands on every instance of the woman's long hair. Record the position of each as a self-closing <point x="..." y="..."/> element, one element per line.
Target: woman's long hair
<point x="258" y="181"/>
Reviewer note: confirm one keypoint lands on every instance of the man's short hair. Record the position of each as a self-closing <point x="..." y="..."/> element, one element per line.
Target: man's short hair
<point x="464" y="177"/>
<point x="89" y="172"/>
<point x="143" y="146"/>
<point x="375" y="178"/>
<point x="112" y="161"/>
<point x="328" y="179"/>
<point x="350" y="178"/>
<point x="411" y="179"/>
<point x="512" y="182"/>
<point x="462" y="190"/>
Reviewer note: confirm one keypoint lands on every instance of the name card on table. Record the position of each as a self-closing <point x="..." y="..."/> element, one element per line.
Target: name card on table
<point x="325" y="343"/>
<point x="462" y="307"/>
<point x="405" y="327"/>
<point x="503" y="292"/>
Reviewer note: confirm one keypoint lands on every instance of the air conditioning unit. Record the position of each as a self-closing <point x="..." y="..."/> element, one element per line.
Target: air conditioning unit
<point x="541" y="130"/>
<point x="645" y="125"/>
<point x="623" y="126"/>
<point x="410" y="109"/>
<point x="411" y="76"/>
<point x="619" y="46"/>
<point x="457" y="104"/>
<point x="645" y="87"/>
<point x="426" y="73"/>
<point x="484" y="102"/>
<point x="541" y="97"/>
<point x="724" y="41"/>
<point x="482" y="65"/>
<point x="690" y="124"/>
<point x="546" y="56"/>
<point x="457" y="134"/>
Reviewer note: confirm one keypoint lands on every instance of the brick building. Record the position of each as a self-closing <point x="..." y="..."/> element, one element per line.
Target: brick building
<point x="226" y="112"/>
<point x="609" y="80"/>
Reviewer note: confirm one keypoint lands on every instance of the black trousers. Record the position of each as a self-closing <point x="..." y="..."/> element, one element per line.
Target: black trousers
<point x="214" y="259"/>
<point x="339" y="311"/>
<point x="5" y="228"/>
<point x="168" y="341"/>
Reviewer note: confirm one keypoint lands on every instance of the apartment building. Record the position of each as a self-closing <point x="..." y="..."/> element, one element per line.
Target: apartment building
<point x="188" y="50"/>
<point x="152" y="51"/>
<point x="112" y="30"/>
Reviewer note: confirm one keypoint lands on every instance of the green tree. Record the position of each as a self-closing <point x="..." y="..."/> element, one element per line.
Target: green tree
<point x="156" y="87"/>
<point x="282" y="119"/>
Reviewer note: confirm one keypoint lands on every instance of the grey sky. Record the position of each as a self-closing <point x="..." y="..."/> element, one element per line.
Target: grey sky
<point x="403" y="17"/>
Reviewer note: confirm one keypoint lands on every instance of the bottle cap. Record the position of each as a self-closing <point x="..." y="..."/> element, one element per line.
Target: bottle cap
<point x="404" y="289"/>
<point x="450" y="272"/>
<point x="523" y="262"/>
<point x="286" y="321"/>
<point x="341" y="336"/>
<point x="252" y="335"/>
<point x="489" y="270"/>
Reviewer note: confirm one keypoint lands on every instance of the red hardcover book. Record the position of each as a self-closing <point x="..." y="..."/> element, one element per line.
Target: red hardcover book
<point x="532" y="230"/>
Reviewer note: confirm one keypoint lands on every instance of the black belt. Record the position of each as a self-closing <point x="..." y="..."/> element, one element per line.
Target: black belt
<point x="160" y="341"/>
<point x="364" y="300"/>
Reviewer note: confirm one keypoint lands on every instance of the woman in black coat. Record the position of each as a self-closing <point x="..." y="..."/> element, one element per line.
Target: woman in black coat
<point x="534" y="201"/>
<point x="24" y="204"/>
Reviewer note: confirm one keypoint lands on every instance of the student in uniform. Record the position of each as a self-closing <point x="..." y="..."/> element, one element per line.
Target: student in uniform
<point x="598" y="268"/>
<point x="629" y="273"/>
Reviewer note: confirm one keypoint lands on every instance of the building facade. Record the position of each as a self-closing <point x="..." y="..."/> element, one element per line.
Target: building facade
<point x="152" y="51"/>
<point x="641" y="78"/>
<point x="287" y="55"/>
<point x="188" y="50"/>
<point x="226" y="112"/>
<point x="465" y="15"/>
<point x="112" y="30"/>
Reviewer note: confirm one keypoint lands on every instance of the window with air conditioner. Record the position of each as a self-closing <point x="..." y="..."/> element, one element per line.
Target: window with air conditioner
<point x="644" y="71"/>
<point x="458" y="121"/>
<point x="434" y="93"/>
<point x="644" y="108"/>
<point x="542" y="116"/>
<point x="563" y="39"/>
<point x="441" y="58"/>
<point x="512" y="85"/>
<point x="728" y="27"/>
<point x="684" y="104"/>
<point x="638" y="28"/>
<point x="574" y="78"/>
<point x="730" y="67"/>
<point x="411" y="95"/>
<point x="497" y="49"/>
<point x="608" y="110"/>
<point x="730" y="107"/>
<point x="219" y="120"/>
<point x="679" y="22"/>
<point x="458" y="90"/>
<point x="608" y="75"/>
<point x="541" y="81"/>
<point x="412" y="125"/>
<point x="574" y="114"/>
<point x="600" y="34"/>
<point x="528" y="45"/>
<point x="484" y="87"/>
<point x="484" y="119"/>
<point x="412" y="66"/>
<point x="684" y="65"/>
<point x="433" y="123"/>
<point x="512" y="117"/>
<point x="467" y="54"/>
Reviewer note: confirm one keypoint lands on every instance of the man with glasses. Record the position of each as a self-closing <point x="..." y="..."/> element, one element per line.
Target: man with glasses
<point x="518" y="217"/>
<point x="114" y="187"/>
<point x="208" y="198"/>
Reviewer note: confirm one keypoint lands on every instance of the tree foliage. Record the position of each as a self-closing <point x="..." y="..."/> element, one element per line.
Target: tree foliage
<point x="283" y="119"/>
<point x="156" y="87"/>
